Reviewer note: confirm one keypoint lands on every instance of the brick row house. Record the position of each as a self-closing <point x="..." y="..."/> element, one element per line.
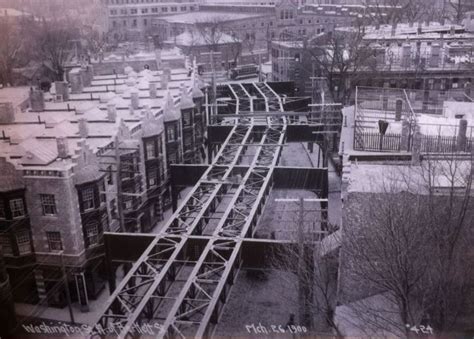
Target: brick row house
<point x="75" y="165"/>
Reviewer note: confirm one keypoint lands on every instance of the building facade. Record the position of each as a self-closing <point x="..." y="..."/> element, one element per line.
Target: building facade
<point x="90" y="157"/>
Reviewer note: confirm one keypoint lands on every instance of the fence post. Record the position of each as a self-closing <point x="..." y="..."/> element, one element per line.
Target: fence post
<point x="462" y="139"/>
<point x="404" y="143"/>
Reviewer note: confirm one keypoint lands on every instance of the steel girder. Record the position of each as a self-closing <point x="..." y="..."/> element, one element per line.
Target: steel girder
<point x="209" y="284"/>
<point x="149" y="290"/>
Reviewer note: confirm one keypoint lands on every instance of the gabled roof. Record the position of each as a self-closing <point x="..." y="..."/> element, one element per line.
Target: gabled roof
<point x="170" y="111"/>
<point x="186" y="101"/>
<point x="197" y="92"/>
<point x="152" y="126"/>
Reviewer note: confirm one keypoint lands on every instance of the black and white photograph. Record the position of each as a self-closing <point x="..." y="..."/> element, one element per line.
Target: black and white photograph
<point x="272" y="169"/>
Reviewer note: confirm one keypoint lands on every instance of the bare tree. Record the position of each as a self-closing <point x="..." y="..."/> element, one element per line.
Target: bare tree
<point x="53" y="44"/>
<point x="314" y="272"/>
<point x="410" y="243"/>
<point x="398" y="11"/>
<point x="341" y="57"/>
<point x="12" y="47"/>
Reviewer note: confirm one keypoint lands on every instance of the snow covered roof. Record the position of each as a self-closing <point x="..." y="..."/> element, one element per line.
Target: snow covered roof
<point x="170" y="111"/>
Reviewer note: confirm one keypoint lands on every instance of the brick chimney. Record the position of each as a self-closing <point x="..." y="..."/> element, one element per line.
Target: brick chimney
<point x="83" y="128"/>
<point x="135" y="99"/>
<point x="165" y="78"/>
<point x="153" y="93"/>
<point x="62" y="91"/>
<point x="111" y="112"/>
<point x="36" y="100"/>
<point x="76" y="80"/>
<point x="7" y="113"/>
<point x="63" y="148"/>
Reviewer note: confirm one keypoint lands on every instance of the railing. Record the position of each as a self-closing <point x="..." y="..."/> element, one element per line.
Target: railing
<point x="374" y="142"/>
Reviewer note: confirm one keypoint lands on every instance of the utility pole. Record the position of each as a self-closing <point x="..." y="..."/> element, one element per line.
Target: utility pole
<point x="302" y="302"/>
<point x="66" y="285"/>
<point x="118" y="180"/>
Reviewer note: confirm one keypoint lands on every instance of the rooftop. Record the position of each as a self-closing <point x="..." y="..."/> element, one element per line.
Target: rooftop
<point x="207" y="16"/>
<point x="30" y="141"/>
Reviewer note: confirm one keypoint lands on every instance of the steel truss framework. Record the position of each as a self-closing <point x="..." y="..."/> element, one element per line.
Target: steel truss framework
<point x="185" y="296"/>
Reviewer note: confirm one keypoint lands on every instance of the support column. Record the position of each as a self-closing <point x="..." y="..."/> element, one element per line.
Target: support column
<point x="7" y="310"/>
<point x="405" y="138"/>
<point x="81" y="289"/>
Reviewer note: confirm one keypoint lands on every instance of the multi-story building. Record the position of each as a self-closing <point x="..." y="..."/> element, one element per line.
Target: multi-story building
<point x="256" y="26"/>
<point x="91" y="157"/>
<point x="417" y="56"/>
<point x="131" y="20"/>
<point x="399" y="150"/>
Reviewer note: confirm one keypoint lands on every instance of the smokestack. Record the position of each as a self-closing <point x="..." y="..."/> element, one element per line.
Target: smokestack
<point x="83" y="128"/>
<point x="63" y="147"/>
<point x="111" y="112"/>
<point x="36" y="100"/>
<point x="135" y="98"/>
<point x="153" y="93"/>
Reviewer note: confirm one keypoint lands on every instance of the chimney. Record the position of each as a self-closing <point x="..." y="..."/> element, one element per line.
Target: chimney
<point x="87" y="75"/>
<point x="150" y="44"/>
<point x="153" y="93"/>
<point x="165" y="78"/>
<point x="76" y="80"/>
<point x="135" y="98"/>
<point x="63" y="147"/>
<point x="111" y="112"/>
<point x="36" y="100"/>
<point x="394" y="28"/>
<point x="83" y="128"/>
<point x="62" y="91"/>
<point x="158" y="58"/>
<point x="7" y="113"/>
<point x="462" y="139"/>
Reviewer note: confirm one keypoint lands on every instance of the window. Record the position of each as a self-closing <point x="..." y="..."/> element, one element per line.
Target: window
<point x="150" y="150"/>
<point x="113" y="209"/>
<point x="54" y="241"/>
<point x="110" y="175"/>
<point x="23" y="242"/>
<point x="172" y="158"/>
<point x="144" y="10"/>
<point x="17" y="208"/>
<point x="133" y="11"/>
<point x="187" y="118"/>
<point x="48" y="203"/>
<point x="170" y="134"/>
<point x="2" y="210"/>
<point x="88" y="199"/>
<point x="152" y="177"/>
<point x="6" y="245"/>
<point x="92" y="233"/>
